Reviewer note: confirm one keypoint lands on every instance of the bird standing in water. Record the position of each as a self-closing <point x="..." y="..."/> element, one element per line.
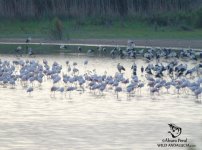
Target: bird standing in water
<point x="134" y="68"/>
<point x="120" y="68"/>
<point x="30" y="52"/>
<point x="28" y="40"/>
<point x="79" y="49"/>
<point x="142" y="69"/>
<point x="18" y="50"/>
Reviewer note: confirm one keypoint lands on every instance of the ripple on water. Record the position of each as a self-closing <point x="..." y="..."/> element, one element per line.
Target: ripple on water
<point x="93" y="122"/>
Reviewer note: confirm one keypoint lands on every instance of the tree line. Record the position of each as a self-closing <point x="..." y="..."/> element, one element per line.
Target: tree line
<point x="93" y="8"/>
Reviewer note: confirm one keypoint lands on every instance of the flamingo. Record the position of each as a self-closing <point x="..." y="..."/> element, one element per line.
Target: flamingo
<point x="117" y="90"/>
<point x="29" y="90"/>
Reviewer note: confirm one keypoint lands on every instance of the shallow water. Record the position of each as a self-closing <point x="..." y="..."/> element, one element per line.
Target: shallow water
<point x="89" y="121"/>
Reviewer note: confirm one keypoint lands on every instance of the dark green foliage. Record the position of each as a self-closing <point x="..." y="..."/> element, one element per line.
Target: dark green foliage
<point x="185" y="27"/>
<point x="180" y="20"/>
<point x="158" y="20"/>
<point x="184" y="14"/>
<point x="92" y="8"/>
<point x="57" y="29"/>
<point x="199" y="18"/>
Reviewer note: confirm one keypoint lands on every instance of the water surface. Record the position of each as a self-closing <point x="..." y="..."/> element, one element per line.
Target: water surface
<point x="89" y="121"/>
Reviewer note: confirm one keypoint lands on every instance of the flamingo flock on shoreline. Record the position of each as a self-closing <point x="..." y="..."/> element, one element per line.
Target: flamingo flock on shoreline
<point x="154" y="78"/>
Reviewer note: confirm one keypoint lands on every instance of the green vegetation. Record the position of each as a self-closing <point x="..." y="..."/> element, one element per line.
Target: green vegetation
<point x="56" y="32"/>
<point x="131" y="28"/>
<point x="24" y="9"/>
<point x="64" y="19"/>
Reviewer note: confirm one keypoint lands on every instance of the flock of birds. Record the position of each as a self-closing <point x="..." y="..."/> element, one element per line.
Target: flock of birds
<point x="130" y="52"/>
<point x="31" y="74"/>
<point x="154" y="76"/>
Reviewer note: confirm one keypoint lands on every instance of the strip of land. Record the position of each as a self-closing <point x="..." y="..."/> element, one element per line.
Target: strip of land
<point x="197" y="44"/>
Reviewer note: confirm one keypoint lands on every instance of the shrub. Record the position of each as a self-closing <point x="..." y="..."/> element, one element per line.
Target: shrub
<point x="158" y="20"/>
<point x="57" y="29"/>
<point x="185" y="27"/>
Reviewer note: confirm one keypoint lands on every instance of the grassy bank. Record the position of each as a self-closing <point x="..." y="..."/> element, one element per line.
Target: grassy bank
<point x="116" y="30"/>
